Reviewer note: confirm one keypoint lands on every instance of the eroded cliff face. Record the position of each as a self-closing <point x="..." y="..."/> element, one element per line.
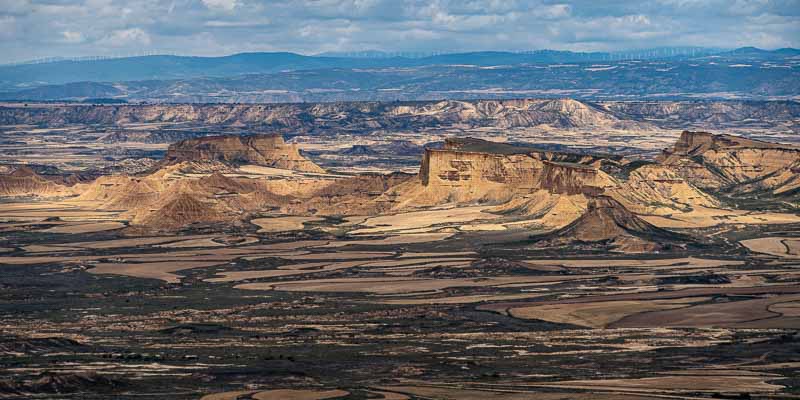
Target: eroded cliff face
<point x="550" y="187"/>
<point x="265" y="150"/>
<point x="459" y="176"/>
<point x="725" y="162"/>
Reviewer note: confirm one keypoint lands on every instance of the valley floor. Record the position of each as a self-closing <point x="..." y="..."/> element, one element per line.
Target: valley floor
<point x="307" y="313"/>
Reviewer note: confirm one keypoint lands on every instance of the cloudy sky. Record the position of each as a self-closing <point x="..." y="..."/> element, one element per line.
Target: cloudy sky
<point x="32" y="29"/>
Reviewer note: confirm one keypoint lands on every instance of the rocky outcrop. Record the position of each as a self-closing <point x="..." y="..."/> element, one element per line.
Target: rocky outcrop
<point x="167" y="200"/>
<point x="23" y="182"/>
<point x="182" y="210"/>
<point x="729" y="163"/>
<point x="265" y="150"/>
<point x="607" y="224"/>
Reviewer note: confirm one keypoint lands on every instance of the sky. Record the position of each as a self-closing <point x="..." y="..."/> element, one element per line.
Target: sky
<point x="32" y="29"/>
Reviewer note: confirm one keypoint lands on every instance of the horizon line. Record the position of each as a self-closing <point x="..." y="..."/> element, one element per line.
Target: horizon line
<point x="387" y="54"/>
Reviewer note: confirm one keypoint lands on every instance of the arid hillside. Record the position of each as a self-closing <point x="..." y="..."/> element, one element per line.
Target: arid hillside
<point x="608" y="223"/>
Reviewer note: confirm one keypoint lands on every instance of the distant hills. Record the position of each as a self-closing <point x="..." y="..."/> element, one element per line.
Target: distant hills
<point x="287" y="77"/>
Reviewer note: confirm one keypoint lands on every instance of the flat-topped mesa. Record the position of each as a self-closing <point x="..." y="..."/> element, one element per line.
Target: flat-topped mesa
<point x="725" y="161"/>
<point x="265" y="150"/>
<point x="472" y="165"/>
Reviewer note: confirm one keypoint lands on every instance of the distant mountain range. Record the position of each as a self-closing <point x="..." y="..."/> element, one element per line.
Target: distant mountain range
<point x="287" y="77"/>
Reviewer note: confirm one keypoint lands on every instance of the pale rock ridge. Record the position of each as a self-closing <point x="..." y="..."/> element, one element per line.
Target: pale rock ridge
<point x="454" y="176"/>
<point x="563" y="113"/>
<point x="783" y="183"/>
<point x="551" y="187"/>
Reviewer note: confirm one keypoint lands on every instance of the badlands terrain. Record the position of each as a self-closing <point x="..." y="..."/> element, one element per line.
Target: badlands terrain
<point x="522" y="249"/>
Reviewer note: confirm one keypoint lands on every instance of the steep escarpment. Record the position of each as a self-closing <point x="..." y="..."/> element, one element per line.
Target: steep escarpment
<point x="265" y="150"/>
<point x="203" y="181"/>
<point x="732" y="164"/>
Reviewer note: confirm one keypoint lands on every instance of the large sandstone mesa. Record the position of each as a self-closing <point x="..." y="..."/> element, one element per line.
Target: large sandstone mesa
<point x="734" y="164"/>
<point x="548" y="186"/>
<point x="169" y="200"/>
<point x="608" y="224"/>
<point x="458" y="173"/>
<point x="265" y="150"/>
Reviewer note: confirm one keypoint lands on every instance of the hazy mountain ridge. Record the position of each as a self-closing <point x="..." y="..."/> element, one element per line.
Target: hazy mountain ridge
<point x="160" y="67"/>
<point x="286" y="77"/>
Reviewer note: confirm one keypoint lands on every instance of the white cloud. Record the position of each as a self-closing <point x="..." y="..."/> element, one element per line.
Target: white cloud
<point x="221" y="5"/>
<point x="72" y="37"/>
<point x="236" y="24"/>
<point x="33" y="29"/>
<point x="126" y="37"/>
